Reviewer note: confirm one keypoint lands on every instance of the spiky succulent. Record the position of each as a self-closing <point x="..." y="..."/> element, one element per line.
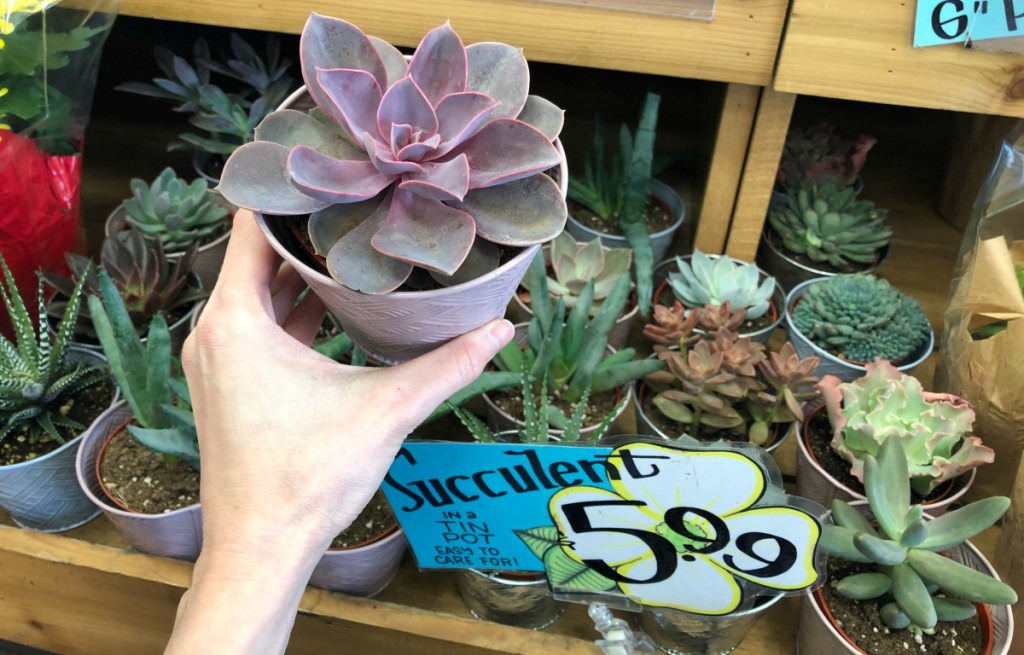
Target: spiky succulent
<point x="431" y="163"/>
<point x="860" y="317"/>
<point x="884" y="404"/>
<point x="830" y="225"/>
<point x="818" y="154"/>
<point x="173" y="211"/>
<point x="37" y="378"/>
<point x="149" y="283"/>
<point x="715" y="280"/>
<point x="905" y="550"/>
<point x="145" y="373"/>
<point x="575" y="263"/>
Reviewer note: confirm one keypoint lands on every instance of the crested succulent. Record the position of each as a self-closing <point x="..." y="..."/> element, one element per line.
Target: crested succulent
<point x="617" y="189"/>
<point x="566" y="355"/>
<point x="818" y="154"/>
<point x="145" y="373"/>
<point x="885" y="404"/>
<point x="905" y="550"/>
<point x="431" y="163"/>
<point x="174" y="212"/>
<point x="575" y="263"/>
<point x="830" y="225"/>
<point x="149" y="283"/>
<point x="727" y="382"/>
<point x="860" y="318"/>
<point x="37" y="378"/>
<point x="716" y="280"/>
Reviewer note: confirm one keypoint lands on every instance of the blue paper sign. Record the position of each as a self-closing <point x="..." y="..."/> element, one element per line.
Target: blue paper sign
<point x="939" y="22"/>
<point x="703" y="528"/>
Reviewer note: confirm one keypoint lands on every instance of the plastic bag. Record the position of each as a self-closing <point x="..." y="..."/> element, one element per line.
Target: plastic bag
<point x="49" y="59"/>
<point x="983" y="335"/>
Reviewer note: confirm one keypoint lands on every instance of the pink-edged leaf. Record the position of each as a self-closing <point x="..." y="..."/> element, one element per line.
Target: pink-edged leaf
<point x="334" y="43"/>
<point x="256" y="177"/>
<point x="401" y="136"/>
<point x="519" y="213"/>
<point x="404" y="103"/>
<point x="334" y="180"/>
<point x="354" y="97"/>
<point x="292" y="128"/>
<point x="420" y="151"/>
<point x="330" y="224"/>
<point x="506" y="150"/>
<point x="425" y="233"/>
<point x="384" y="160"/>
<point x="448" y="181"/>
<point x="544" y="115"/>
<point x="460" y="116"/>
<point x="439" y="64"/>
<point x="483" y="258"/>
<point x="394" y="61"/>
<point x="354" y="263"/>
<point x="500" y="71"/>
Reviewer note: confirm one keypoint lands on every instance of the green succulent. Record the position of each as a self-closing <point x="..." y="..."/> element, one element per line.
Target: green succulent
<point x="575" y="263"/>
<point x="174" y="212"/>
<point x="860" y="317"/>
<point x="905" y="550"/>
<point x="717" y="280"/>
<point x="146" y="374"/>
<point x="830" y="225"/>
<point x="37" y="378"/>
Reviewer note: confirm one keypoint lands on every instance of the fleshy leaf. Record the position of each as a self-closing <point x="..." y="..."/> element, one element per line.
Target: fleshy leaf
<point x="426" y="233"/>
<point x="483" y="258"/>
<point x="500" y="71"/>
<point x="394" y="60"/>
<point x="460" y="116"/>
<point x="544" y="115"/>
<point x="404" y="103"/>
<point x="328" y="225"/>
<point x="519" y="213"/>
<point x="506" y="150"/>
<point x="334" y="43"/>
<point x="256" y="177"/>
<point x="290" y="128"/>
<point x="354" y="96"/>
<point x="439" y="64"/>
<point x="383" y="160"/>
<point x="354" y="263"/>
<point x="334" y="180"/>
<point x="447" y="181"/>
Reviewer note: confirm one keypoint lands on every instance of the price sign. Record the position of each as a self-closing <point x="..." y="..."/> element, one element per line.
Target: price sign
<point x="939" y="22"/>
<point x="699" y="528"/>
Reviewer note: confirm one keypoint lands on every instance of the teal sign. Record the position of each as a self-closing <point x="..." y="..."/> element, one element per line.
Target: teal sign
<point x="939" y="22"/>
<point x="700" y="528"/>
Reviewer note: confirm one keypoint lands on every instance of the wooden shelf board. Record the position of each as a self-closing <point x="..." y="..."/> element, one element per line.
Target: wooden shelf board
<point x="739" y="45"/>
<point x="862" y="51"/>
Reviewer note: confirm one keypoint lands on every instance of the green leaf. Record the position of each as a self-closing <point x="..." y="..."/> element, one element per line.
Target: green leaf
<point x="959" y="580"/>
<point x="539" y="540"/>
<point x="954" y="528"/>
<point x="910" y="594"/>
<point x="888" y="514"/>
<point x="846" y="516"/>
<point x="565" y="573"/>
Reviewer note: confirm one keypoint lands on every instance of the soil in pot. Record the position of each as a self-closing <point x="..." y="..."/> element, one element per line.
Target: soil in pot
<point x="860" y="622"/>
<point x="375" y="520"/>
<point x="143" y="481"/>
<point x="598" y="407"/>
<point x="818" y="437"/>
<point x="826" y="267"/>
<point x="664" y="296"/>
<point x="84" y="407"/>
<point x="658" y="217"/>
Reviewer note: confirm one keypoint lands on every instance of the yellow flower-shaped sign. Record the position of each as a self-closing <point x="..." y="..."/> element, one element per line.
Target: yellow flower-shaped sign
<point x="687" y="530"/>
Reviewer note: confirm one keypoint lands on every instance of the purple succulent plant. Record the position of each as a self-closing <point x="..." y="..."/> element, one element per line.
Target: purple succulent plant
<point x="428" y="163"/>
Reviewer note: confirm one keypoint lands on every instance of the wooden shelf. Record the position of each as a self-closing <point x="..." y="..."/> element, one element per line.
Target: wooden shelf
<point x="739" y="45"/>
<point x="862" y="51"/>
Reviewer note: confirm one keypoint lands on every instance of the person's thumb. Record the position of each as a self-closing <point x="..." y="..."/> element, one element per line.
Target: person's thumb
<point x="435" y="376"/>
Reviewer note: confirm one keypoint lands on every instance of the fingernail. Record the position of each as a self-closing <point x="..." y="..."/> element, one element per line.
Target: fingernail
<point x="500" y="332"/>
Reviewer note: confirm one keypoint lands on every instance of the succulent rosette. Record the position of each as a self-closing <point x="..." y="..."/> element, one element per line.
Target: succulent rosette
<point x="432" y="162"/>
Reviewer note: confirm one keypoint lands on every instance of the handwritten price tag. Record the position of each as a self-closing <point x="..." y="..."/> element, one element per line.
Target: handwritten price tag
<point x="702" y="528"/>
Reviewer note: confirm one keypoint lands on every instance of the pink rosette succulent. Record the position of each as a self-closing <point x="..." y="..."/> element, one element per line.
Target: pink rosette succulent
<point x="431" y="162"/>
<point x="933" y="427"/>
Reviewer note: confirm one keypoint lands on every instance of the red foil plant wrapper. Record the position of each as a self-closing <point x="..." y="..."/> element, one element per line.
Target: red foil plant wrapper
<point x="49" y="58"/>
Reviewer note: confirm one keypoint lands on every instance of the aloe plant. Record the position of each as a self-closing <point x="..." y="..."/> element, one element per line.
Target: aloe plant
<point x="905" y="550"/>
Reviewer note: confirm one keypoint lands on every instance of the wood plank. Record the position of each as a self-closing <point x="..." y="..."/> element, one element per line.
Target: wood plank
<point x="730" y="152"/>
<point x="772" y="123"/>
<point x="739" y="45"/>
<point x="862" y="51"/>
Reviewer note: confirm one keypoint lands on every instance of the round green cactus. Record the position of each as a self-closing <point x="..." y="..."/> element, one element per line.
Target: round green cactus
<point x="860" y="318"/>
<point x="830" y="225"/>
<point x="173" y="211"/>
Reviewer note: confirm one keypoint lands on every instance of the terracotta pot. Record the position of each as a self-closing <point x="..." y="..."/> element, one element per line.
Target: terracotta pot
<point x="43" y="493"/>
<point x="815" y="483"/>
<point x="829" y="364"/>
<point x="401" y="325"/>
<point x="818" y="634"/>
<point x="664" y="296"/>
<point x="519" y="600"/>
<point x="682" y="633"/>
<point x="788" y="272"/>
<point x="644" y="425"/>
<point x="208" y="259"/>
<point x="660" y="241"/>
<point x="174" y="534"/>
<point x="362" y="570"/>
